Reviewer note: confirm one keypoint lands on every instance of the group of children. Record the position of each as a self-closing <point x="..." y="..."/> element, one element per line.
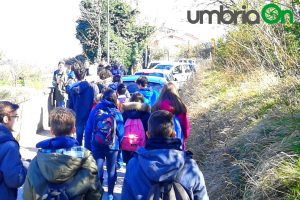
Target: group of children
<point x="148" y="129"/>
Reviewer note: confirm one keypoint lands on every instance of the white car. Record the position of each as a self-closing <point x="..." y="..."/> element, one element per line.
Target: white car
<point x="180" y="71"/>
<point x="158" y="73"/>
<point x="152" y="64"/>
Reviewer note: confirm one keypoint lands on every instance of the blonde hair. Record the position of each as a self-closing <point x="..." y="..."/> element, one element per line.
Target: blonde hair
<point x="170" y="93"/>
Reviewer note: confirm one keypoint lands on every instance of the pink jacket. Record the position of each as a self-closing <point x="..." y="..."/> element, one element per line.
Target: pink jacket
<point x="182" y="117"/>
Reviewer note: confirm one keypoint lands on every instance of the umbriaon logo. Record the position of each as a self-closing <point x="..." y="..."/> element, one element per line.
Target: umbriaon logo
<point x="271" y="14"/>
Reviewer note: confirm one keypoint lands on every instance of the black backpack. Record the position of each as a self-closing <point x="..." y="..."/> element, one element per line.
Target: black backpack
<point x="56" y="192"/>
<point x="168" y="191"/>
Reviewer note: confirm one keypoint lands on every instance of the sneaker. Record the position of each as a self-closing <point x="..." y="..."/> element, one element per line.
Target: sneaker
<point x="118" y="165"/>
<point x="110" y="197"/>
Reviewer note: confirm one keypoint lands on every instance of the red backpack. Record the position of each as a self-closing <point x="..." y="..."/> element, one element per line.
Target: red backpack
<point x="134" y="135"/>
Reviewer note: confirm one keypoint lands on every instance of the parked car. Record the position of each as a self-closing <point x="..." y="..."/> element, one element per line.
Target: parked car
<point x="180" y="71"/>
<point x="158" y="73"/>
<point x="153" y="64"/>
<point x="183" y="60"/>
<point x="154" y="82"/>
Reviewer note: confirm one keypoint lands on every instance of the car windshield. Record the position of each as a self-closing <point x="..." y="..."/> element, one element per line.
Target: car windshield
<point x="150" y="74"/>
<point x="152" y="65"/>
<point x="167" y="67"/>
<point x="132" y="86"/>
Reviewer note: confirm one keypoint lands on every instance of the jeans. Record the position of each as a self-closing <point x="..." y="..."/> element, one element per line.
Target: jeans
<point x="111" y="158"/>
<point x="79" y="133"/>
<point x="120" y="158"/>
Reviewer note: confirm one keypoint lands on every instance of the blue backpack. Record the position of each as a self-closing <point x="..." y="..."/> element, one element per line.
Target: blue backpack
<point x="104" y="129"/>
<point x="179" y="132"/>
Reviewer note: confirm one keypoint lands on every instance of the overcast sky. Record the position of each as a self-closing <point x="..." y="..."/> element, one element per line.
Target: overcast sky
<point x="42" y="32"/>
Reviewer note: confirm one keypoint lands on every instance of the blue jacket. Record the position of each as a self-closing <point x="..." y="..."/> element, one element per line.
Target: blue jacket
<point x="150" y="95"/>
<point x="103" y="105"/>
<point x="81" y="99"/>
<point x="160" y="161"/>
<point x="61" y="142"/>
<point x="12" y="171"/>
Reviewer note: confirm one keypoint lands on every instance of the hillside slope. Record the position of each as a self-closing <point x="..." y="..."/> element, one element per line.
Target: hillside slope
<point x="245" y="133"/>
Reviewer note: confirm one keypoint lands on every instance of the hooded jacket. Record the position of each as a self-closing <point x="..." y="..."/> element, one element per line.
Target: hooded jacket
<point x="81" y="98"/>
<point x="162" y="161"/>
<point x="12" y="171"/>
<point x="104" y="105"/>
<point x="150" y="95"/>
<point x="60" y="159"/>
<point x="136" y="110"/>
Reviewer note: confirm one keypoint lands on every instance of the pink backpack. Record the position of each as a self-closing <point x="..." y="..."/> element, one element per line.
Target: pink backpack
<point x="134" y="135"/>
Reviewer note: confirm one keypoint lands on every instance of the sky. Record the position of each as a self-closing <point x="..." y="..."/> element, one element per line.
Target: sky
<point x="173" y="13"/>
<point x="42" y="32"/>
<point x="39" y="32"/>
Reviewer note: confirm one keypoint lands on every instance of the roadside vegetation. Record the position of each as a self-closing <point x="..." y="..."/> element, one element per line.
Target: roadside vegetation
<point x="18" y="81"/>
<point x="245" y="113"/>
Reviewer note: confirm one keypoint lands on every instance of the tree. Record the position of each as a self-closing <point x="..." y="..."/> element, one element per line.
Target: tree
<point x="127" y="39"/>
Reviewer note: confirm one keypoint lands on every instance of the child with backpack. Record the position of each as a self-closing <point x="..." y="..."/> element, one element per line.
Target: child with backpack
<point x="12" y="171"/>
<point x="82" y="95"/>
<point x="162" y="169"/>
<point x="104" y="132"/>
<point x="170" y="100"/>
<point x="135" y="114"/>
<point x="62" y="169"/>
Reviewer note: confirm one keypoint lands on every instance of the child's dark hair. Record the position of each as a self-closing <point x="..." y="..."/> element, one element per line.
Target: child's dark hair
<point x="79" y="71"/>
<point x="121" y="89"/>
<point x="110" y="95"/>
<point x="6" y="108"/>
<point x="61" y="62"/>
<point x="117" y="78"/>
<point x="62" y="121"/>
<point x="137" y="97"/>
<point x="142" y="80"/>
<point x="160" y="124"/>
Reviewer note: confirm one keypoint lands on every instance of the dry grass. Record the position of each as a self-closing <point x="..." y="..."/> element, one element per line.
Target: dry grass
<point x="237" y="124"/>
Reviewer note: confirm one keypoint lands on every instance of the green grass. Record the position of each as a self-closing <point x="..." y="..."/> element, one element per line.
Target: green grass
<point x="266" y="107"/>
<point x="289" y="176"/>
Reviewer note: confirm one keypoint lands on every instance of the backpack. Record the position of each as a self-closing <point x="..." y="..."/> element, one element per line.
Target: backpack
<point x="104" y="131"/>
<point x="56" y="192"/>
<point x="168" y="191"/>
<point x="178" y="131"/>
<point x="134" y="135"/>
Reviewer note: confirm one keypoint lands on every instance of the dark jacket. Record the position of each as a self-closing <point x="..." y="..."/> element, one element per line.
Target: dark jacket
<point x="162" y="161"/>
<point x="59" y="82"/>
<point x="60" y="159"/>
<point x="136" y="110"/>
<point x="12" y="171"/>
<point x="81" y="99"/>
<point x="104" y="105"/>
<point x="150" y="96"/>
